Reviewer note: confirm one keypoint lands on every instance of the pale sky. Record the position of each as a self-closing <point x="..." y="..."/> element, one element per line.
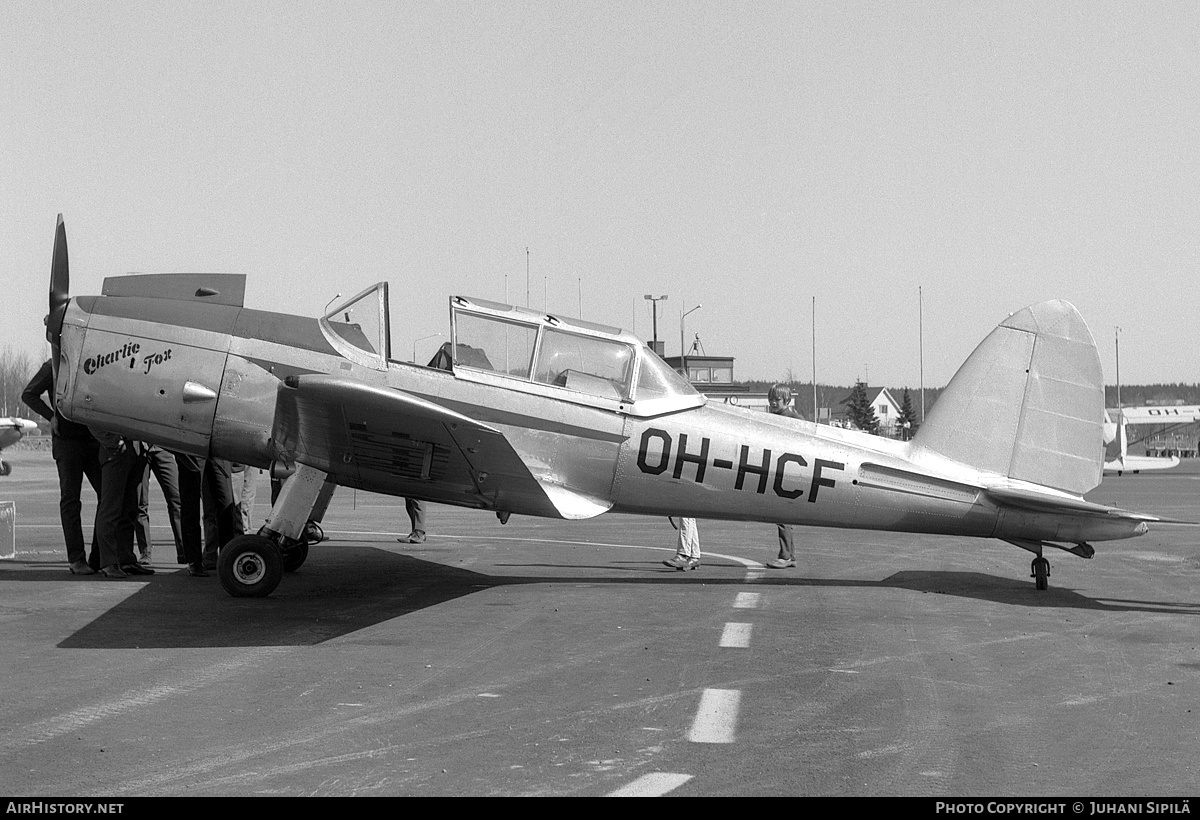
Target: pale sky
<point x="749" y="157"/>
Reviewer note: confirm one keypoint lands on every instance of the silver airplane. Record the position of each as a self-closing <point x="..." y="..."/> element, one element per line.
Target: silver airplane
<point x="12" y="430"/>
<point x="534" y="414"/>
<point x="1165" y="418"/>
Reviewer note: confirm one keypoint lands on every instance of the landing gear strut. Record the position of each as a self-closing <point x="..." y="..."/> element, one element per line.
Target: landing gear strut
<point x="295" y="557"/>
<point x="251" y="566"/>
<point x="1039" y="570"/>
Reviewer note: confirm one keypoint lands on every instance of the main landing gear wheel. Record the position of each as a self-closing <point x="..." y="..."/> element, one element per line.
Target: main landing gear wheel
<point x="250" y="566"/>
<point x="1040" y="572"/>
<point x="5" y="468"/>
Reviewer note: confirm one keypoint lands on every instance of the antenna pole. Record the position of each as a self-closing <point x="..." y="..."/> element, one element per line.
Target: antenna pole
<point x="1117" y="342"/>
<point x="921" y="345"/>
<point x="816" y="413"/>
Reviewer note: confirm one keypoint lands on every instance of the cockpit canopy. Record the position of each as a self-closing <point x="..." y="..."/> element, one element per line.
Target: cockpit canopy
<point x="587" y="363"/>
<point x="359" y="327"/>
<point x="516" y="348"/>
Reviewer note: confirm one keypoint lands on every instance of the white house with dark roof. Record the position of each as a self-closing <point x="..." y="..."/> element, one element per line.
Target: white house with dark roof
<point x="887" y="410"/>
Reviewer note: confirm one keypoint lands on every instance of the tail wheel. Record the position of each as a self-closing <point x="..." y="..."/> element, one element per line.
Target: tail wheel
<point x="250" y="566"/>
<point x="1040" y="572"/>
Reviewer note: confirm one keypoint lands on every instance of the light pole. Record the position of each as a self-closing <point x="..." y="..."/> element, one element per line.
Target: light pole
<point x="682" y="351"/>
<point x="1117" y="345"/>
<point x="654" y="300"/>
<point x="423" y="338"/>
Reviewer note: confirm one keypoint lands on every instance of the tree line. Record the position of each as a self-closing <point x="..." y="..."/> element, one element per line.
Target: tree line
<point x="16" y="369"/>
<point x="862" y="414"/>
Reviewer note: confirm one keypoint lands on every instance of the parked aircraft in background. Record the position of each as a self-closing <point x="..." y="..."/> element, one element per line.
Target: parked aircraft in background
<point x="1171" y="415"/>
<point x="1116" y="436"/>
<point x="537" y="414"/>
<point x="12" y="430"/>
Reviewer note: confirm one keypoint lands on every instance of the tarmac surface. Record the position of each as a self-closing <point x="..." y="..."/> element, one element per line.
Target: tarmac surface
<point x="553" y="658"/>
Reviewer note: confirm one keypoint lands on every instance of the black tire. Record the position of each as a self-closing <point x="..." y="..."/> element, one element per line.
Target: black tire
<point x="1041" y="572"/>
<point x="250" y="566"/>
<point x="5" y="468"/>
<point x="294" y="558"/>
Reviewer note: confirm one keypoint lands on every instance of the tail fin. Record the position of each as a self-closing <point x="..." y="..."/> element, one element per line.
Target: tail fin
<point x="1116" y="448"/>
<point x="1027" y="404"/>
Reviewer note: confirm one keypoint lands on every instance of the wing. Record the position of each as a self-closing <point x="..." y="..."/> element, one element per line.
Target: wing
<point x="1166" y="414"/>
<point x="388" y="441"/>
<point x="13" y="429"/>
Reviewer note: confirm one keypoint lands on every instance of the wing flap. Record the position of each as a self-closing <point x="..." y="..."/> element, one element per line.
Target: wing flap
<point x="572" y="504"/>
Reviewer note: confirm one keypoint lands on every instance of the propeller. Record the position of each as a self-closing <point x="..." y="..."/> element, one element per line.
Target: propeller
<point x="60" y="287"/>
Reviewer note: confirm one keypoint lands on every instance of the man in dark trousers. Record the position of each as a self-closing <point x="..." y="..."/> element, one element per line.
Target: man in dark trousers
<point x="162" y="464"/>
<point x="116" y="514"/>
<point x="779" y="399"/>
<point x="76" y="454"/>
<point x="207" y="479"/>
<point x="222" y="518"/>
<point x="416" y="516"/>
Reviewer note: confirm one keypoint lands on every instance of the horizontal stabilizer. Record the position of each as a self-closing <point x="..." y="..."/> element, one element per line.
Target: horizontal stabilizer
<point x="1045" y="502"/>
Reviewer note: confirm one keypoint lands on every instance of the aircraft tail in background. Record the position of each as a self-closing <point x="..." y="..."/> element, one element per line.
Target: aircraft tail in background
<point x="1117" y="458"/>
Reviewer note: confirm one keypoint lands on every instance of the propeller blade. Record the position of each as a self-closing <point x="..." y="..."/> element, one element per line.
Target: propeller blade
<point x="60" y="288"/>
<point x="60" y="276"/>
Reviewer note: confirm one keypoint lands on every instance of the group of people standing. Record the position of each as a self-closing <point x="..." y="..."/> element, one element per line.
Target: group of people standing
<point x="119" y="470"/>
<point x="687" y="551"/>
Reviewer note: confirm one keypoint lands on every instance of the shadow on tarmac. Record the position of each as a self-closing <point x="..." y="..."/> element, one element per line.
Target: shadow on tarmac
<point x="352" y="588"/>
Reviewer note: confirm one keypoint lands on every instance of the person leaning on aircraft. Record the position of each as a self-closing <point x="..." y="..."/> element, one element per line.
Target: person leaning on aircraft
<point x="76" y="454"/>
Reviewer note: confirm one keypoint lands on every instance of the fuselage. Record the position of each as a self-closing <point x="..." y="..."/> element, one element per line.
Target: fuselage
<point x="203" y="378"/>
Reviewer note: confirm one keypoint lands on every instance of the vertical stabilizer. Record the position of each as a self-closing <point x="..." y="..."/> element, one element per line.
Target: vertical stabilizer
<point x="1027" y="404"/>
<point x="1113" y="441"/>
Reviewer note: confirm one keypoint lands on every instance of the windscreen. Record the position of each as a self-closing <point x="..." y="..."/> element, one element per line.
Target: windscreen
<point x="657" y="380"/>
